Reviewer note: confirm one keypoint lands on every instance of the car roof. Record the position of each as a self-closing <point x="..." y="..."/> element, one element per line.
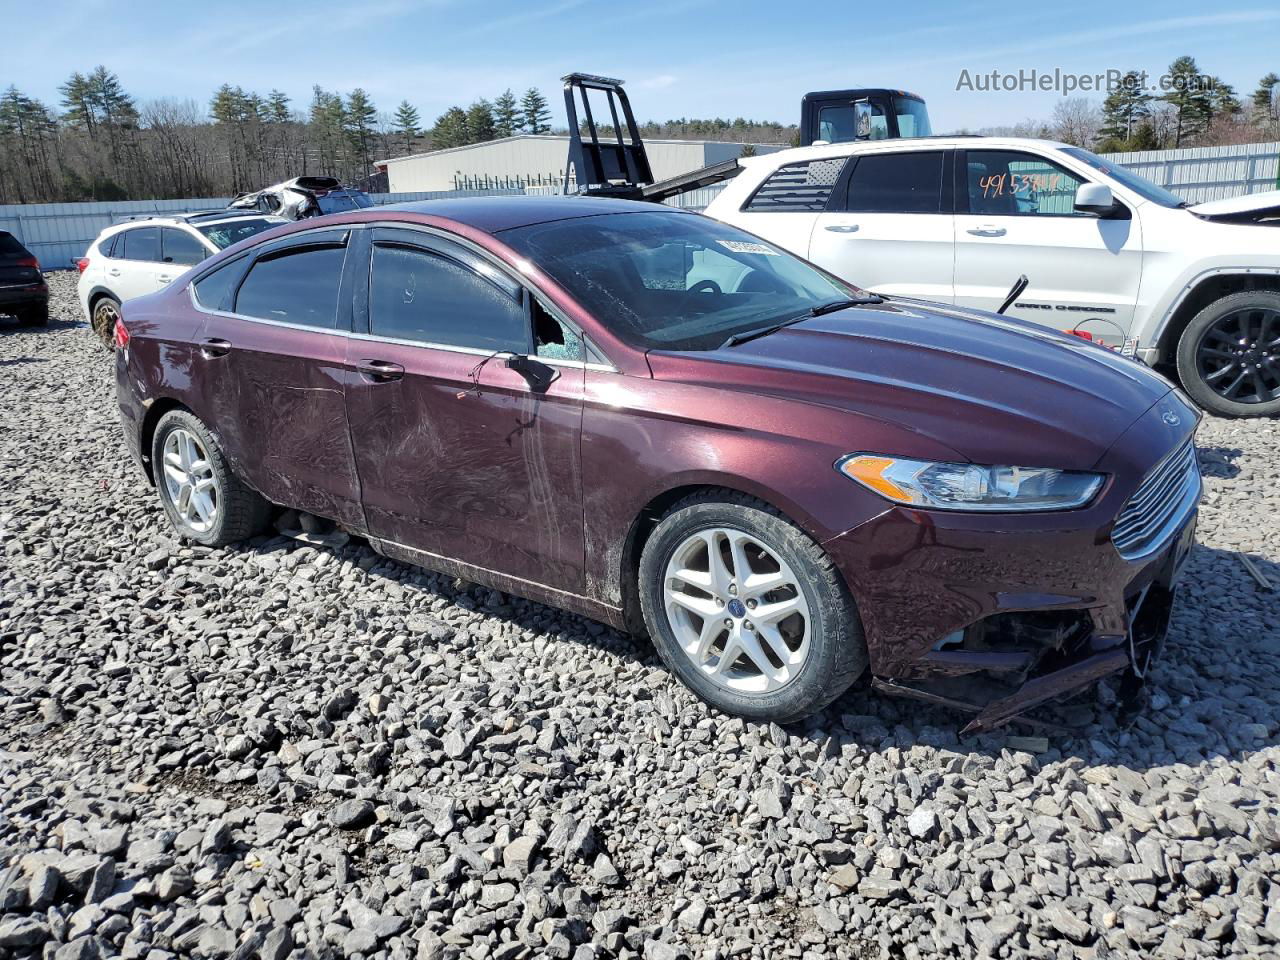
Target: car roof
<point x="832" y="151"/>
<point x="203" y="217"/>
<point x="495" y="214"/>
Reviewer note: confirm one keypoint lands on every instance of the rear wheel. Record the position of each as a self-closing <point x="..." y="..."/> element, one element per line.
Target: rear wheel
<point x="35" y="316"/>
<point x="1229" y="355"/>
<point x="747" y="610"/>
<point x="203" y="499"/>
<point x="106" y="311"/>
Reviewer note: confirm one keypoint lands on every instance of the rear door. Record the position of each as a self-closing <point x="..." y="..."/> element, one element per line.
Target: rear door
<point x="1016" y="214"/>
<point x="459" y="456"/>
<point x="135" y="263"/>
<point x="788" y="203"/>
<point x="889" y="226"/>
<point x="271" y="355"/>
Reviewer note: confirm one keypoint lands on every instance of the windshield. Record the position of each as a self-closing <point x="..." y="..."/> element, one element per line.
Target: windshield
<point x="1139" y="185"/>
<point x="223" y="235"/>
<point x="674" y="281"/>
<point x="913" y="117"/>
<point x="346" y="200"/>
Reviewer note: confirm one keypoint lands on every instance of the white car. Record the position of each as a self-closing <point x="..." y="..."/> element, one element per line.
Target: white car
<point x="143" y="254"/>
<point x="1107" y="253"/>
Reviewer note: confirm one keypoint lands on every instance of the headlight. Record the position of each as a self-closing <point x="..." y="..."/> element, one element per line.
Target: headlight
<point x="968" y="486"/>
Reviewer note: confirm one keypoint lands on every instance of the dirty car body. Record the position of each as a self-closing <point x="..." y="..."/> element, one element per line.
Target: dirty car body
<point x="457" y="461"/>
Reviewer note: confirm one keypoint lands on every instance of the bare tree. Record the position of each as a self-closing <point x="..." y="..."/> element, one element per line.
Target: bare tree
<point x="1076" y="121"/>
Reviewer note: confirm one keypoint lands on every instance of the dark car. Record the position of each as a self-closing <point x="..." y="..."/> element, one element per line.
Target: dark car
<point x="667" y="424"/>
<point x="23" y="291"/>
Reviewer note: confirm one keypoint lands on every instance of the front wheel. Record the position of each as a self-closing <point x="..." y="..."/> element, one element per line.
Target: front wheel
<point x="747" y="610"/>
<point x="1229" y="355"/>
<point x="202" y="498"/>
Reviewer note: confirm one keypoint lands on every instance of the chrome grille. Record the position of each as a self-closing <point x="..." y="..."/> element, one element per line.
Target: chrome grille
<point x="1166" y="496"/>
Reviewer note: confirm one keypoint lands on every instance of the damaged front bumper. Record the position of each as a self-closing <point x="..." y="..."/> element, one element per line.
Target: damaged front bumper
<point x="995" y="615"/>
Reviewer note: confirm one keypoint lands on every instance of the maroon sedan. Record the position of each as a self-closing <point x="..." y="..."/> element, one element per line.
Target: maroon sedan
<point x="665" y="423"/>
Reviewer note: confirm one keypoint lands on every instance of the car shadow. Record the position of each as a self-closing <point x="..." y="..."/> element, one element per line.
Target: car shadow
<point x="1217" y="677"/>
<point x="9" y="325"/>
<point x="1219" y="461"/>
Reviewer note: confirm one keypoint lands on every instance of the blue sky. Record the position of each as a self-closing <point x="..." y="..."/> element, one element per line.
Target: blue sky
<point x="679" y="57"/>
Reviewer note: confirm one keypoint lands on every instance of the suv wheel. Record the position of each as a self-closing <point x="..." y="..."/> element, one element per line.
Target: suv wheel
<point x="35" y="316"/>
<point x="203" y="499"/>
<point x="747" y="610"/>
<point x="105" y="314"/>
<point x="1229" y="355"/>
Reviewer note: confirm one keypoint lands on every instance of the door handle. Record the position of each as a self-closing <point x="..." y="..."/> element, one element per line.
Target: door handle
<point x="380" y="371"/>
<point x="842" y="228"/>
<point x="213" y="348"/>
<point x="113" y="272"/>
<point x="988" y="231"/>
<point x="164" y="278"/>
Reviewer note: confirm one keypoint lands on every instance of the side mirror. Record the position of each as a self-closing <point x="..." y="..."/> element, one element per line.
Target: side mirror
<point x="862" y="119"/>
<point x="538" y="374"/>
<point x="1095" y="198"/>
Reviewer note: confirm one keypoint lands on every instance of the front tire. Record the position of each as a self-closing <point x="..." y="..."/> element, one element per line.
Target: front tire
<point x="747" y="610"/>
<point x="202" y="498"/>
<point x="1229" y="355"/>
<point x="106" y="311"/>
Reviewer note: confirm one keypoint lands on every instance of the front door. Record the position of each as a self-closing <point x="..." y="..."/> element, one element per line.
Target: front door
<point x="1016" y="215"/>
<point x="272" y="353"/>
<point x="890" y="229"/>
<point x="459" y="455"/>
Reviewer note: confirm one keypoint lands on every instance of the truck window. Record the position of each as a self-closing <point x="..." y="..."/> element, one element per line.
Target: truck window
<point x="896" y="183"/>
<point x="836" y="123"/>
<point x="804" y="186"/>
<point x="1008" y="183"/>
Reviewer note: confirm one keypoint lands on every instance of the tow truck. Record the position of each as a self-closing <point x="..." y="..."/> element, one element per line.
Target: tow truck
<point x="604" y="162"/>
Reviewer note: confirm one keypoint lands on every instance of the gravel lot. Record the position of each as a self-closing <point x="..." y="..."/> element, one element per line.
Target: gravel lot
<point x="273" y="750"/>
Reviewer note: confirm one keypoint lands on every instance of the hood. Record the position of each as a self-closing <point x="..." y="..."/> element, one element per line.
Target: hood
<point x="1252" y="208"/>
<point x="994" y="389"/>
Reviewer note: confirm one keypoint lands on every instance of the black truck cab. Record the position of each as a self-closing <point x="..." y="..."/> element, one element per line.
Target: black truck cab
<point x="839" y="116"/>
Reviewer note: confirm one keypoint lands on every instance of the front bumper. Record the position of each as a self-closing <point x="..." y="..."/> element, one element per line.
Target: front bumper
<point x="997" y="614"/>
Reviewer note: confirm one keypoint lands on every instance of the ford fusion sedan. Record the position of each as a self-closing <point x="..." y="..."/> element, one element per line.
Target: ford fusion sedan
<point x="665" y="423"/>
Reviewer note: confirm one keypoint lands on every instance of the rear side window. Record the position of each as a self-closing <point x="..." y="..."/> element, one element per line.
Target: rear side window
<point x="796" y="187"/>
<point x="180" y="247"/>
<point x="896" y="183"/>
<point x="8" y="244"/>
<point x="415" y="294"/>
<point x="141" y="243"/>
<point x="296" y="286"/>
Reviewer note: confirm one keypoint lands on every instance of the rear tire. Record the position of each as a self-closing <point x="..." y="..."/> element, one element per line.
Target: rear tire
<point x="35" y="316"/>
<point x="202" y="498"/>
<point x="740" y="657"/>
<point x="106" y="311"/>
<point x="1229" y="355"/>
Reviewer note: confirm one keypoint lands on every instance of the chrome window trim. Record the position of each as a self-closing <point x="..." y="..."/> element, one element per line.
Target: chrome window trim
<point x="373" y="338"/>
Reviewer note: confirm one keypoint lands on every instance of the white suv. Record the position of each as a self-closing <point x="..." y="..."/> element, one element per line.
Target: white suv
<point x="1106" y="253"/>
<point x="143" y="254"/>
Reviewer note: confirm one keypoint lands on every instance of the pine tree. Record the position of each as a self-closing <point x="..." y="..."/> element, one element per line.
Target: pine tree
<point x="328" y="118"/>
<point x="408" y="124"/>
<point x="1190" y="98"/>
<point x="78" y="102"/>
<point x="450" y="129"/>
<point x="278" y="110"/>
<point x="1124" y="109"/>
<point x="360" y="118"/>
<point x="1222" y="99"/>
<point x="535" y="112"/>
<point x="480" y="122"/>
<point x="506" y="114"/>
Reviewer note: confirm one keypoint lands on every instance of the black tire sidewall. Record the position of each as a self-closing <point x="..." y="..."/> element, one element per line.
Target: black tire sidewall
<point x="180" y="419"/>
<point x="832" y="618"/>
<point x="1189" y="344"/>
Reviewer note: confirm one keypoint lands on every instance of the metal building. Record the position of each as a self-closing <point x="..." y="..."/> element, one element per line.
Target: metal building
<point x="528" y="160"/>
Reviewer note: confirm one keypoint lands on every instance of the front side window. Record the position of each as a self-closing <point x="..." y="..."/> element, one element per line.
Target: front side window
<point x="223" y="235"/>
<point x="297" y="285"/>
<point x="674" y="281"/>
<point x="553" y="340"/>
<point x="896" y="183"/>
<point x="804" y="186"/>
<point x="180" y="247"/>
<point x="140" y="243"/>
<point x="1010" y="183"/>
<point x="418" y="294"/>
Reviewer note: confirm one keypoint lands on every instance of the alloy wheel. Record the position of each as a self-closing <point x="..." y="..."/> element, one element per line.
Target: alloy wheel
<point x="737" y="610"/>
<point x="189" y="481"/>
<point x="105" y="316"/>
<point x="1238" y="356"/>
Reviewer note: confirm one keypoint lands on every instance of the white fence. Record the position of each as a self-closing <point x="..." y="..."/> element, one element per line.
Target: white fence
<point x="57" y="233"/>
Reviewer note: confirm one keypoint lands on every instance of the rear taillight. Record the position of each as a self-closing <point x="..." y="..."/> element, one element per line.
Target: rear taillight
<point x="82" y="264"/>
<point x="29" y="262"/>
<point x="121" y="334"/>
